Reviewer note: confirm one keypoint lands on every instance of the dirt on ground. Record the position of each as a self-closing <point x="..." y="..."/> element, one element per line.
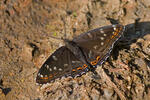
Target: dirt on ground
<point x="26" y="27"/>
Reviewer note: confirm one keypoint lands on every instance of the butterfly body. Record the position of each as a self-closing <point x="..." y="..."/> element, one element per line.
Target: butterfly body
<point x="81" y="54"/>
<point x="76" y="50"/>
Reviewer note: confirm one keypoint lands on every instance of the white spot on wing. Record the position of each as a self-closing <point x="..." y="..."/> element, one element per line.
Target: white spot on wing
<point x="41" y="75"/>
<point x="65" y="65"/>
<point x="114" y="26"/>
<point x="60" y="69"/>
<point x="101" y="30"/>
<point x="102" y="38"/>
<point x="45" y="76"/>
<point x="47" y="66"/>
<point x="104" y="34"/>
<point x="102" y="43"/>
<point x="50" y="69"/>
<point x="55" y="68"/>
<point x="55" y="58"/>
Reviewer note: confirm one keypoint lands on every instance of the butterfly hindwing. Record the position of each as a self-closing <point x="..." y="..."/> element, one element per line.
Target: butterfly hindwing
<point x="61" y="63"/>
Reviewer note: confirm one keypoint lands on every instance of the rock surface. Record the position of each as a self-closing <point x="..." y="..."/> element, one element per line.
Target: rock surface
<point x="25" y="43"/>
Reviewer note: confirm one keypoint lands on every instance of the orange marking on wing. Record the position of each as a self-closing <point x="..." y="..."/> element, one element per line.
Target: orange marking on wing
<point x="73" y="70"/>
<point x="107" y="41"/>
<point x="98" y="58"/>
<point x="45" y="78"/>
<point x="112" y="36"/>
<point x="94" y="62"/>
<point x="84" y="66"/>
<point x="116" y="33"/>
<point x="79" y="68"/>
<point x="50" y="76"/>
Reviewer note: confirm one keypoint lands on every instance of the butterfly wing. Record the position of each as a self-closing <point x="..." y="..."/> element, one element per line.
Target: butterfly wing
<point x="61" y="63"/>
<point x="97" y="43"/>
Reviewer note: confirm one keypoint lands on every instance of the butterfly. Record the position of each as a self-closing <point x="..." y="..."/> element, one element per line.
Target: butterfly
<point x="80" y="55"/>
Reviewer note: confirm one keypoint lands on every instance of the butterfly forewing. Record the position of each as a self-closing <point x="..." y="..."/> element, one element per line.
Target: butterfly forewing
<point x="98" y="43"/>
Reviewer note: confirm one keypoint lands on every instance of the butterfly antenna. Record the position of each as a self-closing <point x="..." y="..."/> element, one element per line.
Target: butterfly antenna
<point x="56" y="38"/>
<point x="64" y="37"/>
<point x="61" y="39"/>
<point x="64" y="23"/>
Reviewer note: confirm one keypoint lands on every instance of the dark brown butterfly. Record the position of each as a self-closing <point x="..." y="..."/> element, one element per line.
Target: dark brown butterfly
<point x="80" y="55"/>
